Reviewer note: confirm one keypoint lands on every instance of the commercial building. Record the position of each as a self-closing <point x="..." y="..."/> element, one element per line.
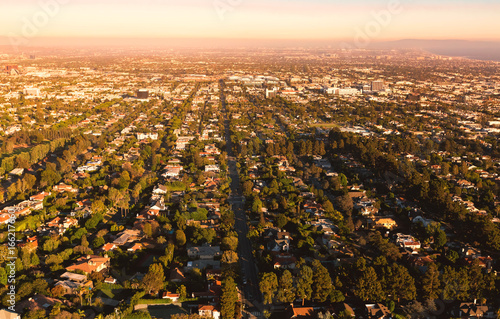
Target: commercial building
<point x="143" y="94"/>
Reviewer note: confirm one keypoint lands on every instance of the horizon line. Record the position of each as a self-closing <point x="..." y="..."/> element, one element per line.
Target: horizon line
<point x="259" y="39"/>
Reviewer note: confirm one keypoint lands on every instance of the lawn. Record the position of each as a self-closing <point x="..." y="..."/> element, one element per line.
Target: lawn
<point x="110" y="290"/>
<point x="154" y="301"/>
<point x="165" y="312"/>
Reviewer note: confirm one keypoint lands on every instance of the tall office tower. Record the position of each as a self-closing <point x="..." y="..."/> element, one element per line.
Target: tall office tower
<point x="377" y="85"/>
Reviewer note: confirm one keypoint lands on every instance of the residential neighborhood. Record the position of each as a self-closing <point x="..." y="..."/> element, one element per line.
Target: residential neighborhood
<point x="287" y="183"/>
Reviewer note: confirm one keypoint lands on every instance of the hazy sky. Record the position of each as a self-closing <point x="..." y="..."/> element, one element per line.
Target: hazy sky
<point x="270" y="19"/>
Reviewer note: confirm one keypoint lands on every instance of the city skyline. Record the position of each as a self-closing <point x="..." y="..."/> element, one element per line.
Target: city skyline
<point x="359" y="20"/>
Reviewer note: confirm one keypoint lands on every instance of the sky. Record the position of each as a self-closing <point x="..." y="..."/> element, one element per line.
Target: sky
<point x="354" y="20"/>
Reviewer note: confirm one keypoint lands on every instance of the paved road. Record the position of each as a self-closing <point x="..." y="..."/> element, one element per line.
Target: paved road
<point x="251" y="290"/>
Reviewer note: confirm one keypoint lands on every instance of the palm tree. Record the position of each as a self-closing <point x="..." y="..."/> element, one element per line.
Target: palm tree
<point x="161" y="240"/>
<point x="300" y="200"/>
<point x="79" y="290"/>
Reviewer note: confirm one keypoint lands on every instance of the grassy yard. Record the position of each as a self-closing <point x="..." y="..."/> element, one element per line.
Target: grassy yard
<point x="110" y="290"/>
<point x="165" y="312"/>
<point x="154" y="301"/>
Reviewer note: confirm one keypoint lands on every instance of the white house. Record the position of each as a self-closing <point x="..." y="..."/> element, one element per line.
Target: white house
<point x="212" y="168"/>
<point x="145" y="136"/>
<point x="208" y="311"/>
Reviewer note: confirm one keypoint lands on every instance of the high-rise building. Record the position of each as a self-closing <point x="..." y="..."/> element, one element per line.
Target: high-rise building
<point x="11" y="69"/>
<point x="377" y="85"/>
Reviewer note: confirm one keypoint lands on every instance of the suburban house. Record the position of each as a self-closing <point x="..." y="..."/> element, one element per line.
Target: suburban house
<point x="59" y="225"/>
<point x="4" y="218"/>
<point x="145" y="136"/>
<point x="64" y="188"/>
<point x="212" y="168"/>
<point x="109" y="246"/>
<point x="172" y="171"/>
<point x="383" y="222"/>
<point x="90" y="263"/>
<point x="474" y="310"/>
<point x="71" y="287"/>
<point x="135" y="247"/>
<point x="378" y="311"/>
<point x="127" y="236"/>
<point x="208" y="311"/>
<point x="170" y="296"/>
<point x="300" y="313"/>
<point x="160" y="190"/>
<point x="6" y="314"/>
<point x="407" y="241"/>
<point x="284" y="261"/>
<point x="204" y="252"/>
<point x="177" y="275"/>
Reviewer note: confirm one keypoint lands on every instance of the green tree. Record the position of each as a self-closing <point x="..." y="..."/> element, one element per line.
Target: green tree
<point x="84" y="241"/>
<point x="431" y="285"/>
<point x="322" y="282"/>
<point x="49" y="177"/>
<point x="40" y="286"/>
<point x="53" y="260"/>
<point x="281" y="221"/>
<point x="182" y="292"/>
<point x="286" y="292"/>
<point x="57" y="292"/>
<point x="229" y="298"/>
<point x="344" y="204"/>
<point x="439" y="238"/>
<point x="247" y="188"/>
<point x="3" y="276"/>
<point x="180" y="238"/>
<point x="257" y="205"/>
<point x="161" y="240"/>
<point x="328" y="206"/>
<point x="230" y="243"/>
<point x="154" y="280"/>
<point x="399" y="284"/>
<point x="98" y="207"/>
<point x="51" y="244"/>
<point x="304" y="283"/>
<point x="343" y="179"/>
<point x="455" y="283"/>
<point x="169" y="255"/>
<point x="114" y="196"/>
<point x="452" y="256"/>
<point x="229" y="257"/>
<point x="368" y="286"/>
<point x="477" y="282"/>
<point x="35" y="314"/>
<point x="25" y="289"/>
<point x="98" y="242"/>
<point x="11" y="191"/>
<point x="268" y="285"/>
<point x="124" y="180"/>
<point x="148" y="231"/>
<point x="336" y="295"/>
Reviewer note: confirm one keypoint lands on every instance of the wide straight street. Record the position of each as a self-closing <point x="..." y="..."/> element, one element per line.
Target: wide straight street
<point x="249" y="270"/>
